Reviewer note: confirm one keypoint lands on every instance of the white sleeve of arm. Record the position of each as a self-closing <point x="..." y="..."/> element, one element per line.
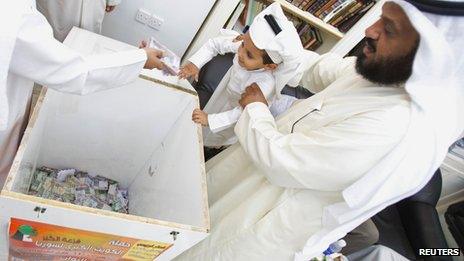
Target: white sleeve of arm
<point x="325" y="69"/>
<point x="219" y="45"/>
<point x="41" y="58"/>
<point x="329" y="158"/>
<point x="223" y="120"/>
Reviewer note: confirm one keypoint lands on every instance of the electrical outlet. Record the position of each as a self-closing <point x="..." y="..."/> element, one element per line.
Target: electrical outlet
<point x="155" y="22"/>
<point x="143" y="16"/>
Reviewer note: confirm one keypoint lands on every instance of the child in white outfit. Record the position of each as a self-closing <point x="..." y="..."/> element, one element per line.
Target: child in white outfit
<point x="267" y="55"/>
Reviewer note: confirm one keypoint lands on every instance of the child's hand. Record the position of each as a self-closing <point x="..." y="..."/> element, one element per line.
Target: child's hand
<point x="199" y="116"/>
<point x="189" y="70"/>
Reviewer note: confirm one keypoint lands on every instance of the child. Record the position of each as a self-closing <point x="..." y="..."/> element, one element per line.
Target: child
<point x="270" y="55"/>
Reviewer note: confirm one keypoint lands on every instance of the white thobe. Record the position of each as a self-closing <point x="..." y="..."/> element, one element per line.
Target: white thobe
<point x="38" y="57"/>
<point x="267" y="193"/>
<point x="223" y="108"/>
<point x="64" y="14"/>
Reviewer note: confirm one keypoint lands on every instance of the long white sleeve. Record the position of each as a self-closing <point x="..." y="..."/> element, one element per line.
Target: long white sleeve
<point x="41" y="58"/>
<point x="219" y="45"/>
<point x="327" y="158"/>
<point x="324" y="70"/>
<point x="223" y="120"/>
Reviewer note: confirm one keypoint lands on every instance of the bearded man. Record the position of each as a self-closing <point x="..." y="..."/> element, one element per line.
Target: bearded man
<point x="374" y="133"/>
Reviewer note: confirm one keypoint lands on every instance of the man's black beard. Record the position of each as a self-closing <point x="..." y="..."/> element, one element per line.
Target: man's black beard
<point x="387" y="71"/>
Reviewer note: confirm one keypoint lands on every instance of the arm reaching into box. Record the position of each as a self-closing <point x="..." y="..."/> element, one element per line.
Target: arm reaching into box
<point x="153" y="59"/>
<point x="41" y="58"/>
<point x="219" y="45"/>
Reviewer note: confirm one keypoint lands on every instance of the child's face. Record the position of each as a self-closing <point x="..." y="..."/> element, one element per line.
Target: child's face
<point x="249" y="56"/>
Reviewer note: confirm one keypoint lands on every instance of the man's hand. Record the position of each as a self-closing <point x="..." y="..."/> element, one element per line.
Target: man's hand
<point x="199" y="116"/>
<point x="188" y="71"/>
<point x="110" y="8"/>
<point x="252" y="94"/>
<point x="153" y="57"/>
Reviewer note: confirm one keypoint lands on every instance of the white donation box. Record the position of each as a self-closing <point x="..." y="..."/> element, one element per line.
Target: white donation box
<point x="140" y="135"/>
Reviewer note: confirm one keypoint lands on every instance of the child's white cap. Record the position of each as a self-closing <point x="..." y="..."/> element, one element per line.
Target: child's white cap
<point x="281" y="42"/>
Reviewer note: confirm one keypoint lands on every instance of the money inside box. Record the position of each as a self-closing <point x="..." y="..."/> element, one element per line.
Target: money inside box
<point x="80" y="188"/>
<point x="137" y="140"/>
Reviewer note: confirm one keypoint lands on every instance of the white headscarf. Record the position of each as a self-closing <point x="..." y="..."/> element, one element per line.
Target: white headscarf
<point x="436" y="89"/>
<point x="285" y="48"/>
<point x="10" y="21"/>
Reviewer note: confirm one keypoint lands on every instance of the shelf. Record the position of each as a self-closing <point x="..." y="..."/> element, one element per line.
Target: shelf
<point x="309" y="18"/>
<point x="357" y="32"/>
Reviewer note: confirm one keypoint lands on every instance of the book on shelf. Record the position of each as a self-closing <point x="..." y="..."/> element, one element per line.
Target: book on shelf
<point x="324" y="7"/>
<point x="347" y="15"/>
<point x="345" y="25"/>
<point x="308" y="5"/>
<point x="314" y="41"/>
<point x="338" y="11"/>
<point x="310" y="36"/>
<point x="342" y="14"/>
<point x="345" y="10"/>
<point x="331" y="9"/>
<point x="316" y="6"/>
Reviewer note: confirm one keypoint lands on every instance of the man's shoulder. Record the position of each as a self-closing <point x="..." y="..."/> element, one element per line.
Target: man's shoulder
<point x="392" y="112"/>
<point x="385" y="99"/>
<point x="385" y="106"/>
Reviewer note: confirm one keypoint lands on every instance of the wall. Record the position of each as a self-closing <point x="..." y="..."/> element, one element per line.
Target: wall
<point x="216" y="20"/>
<point x="182" y="20"/>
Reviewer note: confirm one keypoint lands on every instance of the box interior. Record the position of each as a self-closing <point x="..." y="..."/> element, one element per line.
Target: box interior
<point x="140" y="135"/>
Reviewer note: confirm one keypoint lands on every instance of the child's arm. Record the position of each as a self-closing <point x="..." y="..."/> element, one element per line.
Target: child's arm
<point x="217" y="121"/>
<point x="227" y="43"/>
<point x="223" y="120"/>
<point x="218" y="45"/>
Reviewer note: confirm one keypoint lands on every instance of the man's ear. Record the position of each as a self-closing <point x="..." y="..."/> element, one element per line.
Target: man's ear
<point x="270" y="67"/>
